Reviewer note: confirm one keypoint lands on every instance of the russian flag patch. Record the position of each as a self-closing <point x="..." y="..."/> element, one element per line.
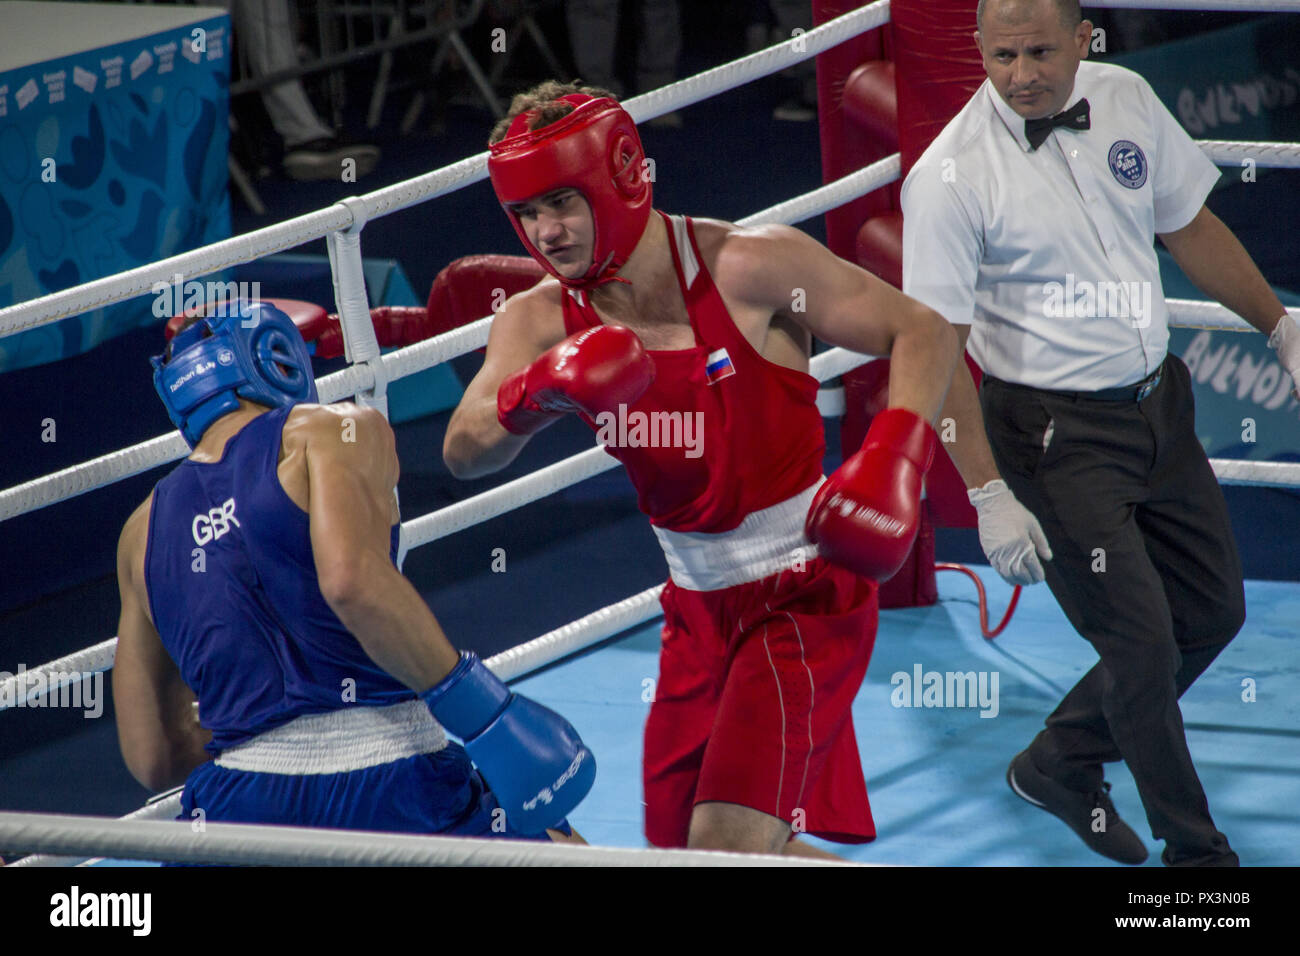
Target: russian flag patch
<point x="718" y="366"/>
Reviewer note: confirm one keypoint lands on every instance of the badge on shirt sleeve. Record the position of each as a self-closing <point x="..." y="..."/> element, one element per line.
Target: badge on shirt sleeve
<point x="1128" y="164"/>
<point x="718" y="366"/>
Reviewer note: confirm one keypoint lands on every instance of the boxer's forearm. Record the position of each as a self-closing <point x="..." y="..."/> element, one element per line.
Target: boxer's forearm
<point x="921" y="362"/>
<point x="964" y="438"/>
<point x="392" y="624"/>
<point x="476" y="444"/>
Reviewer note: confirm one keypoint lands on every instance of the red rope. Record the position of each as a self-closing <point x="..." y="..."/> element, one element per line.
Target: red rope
<point x="984" y="607"/>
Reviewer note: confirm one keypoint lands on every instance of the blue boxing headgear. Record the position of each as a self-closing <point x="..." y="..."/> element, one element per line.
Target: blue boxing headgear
<point x="248" y="350"/>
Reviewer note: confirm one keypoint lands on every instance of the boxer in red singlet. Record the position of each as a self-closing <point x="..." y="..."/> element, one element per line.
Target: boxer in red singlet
<point x="685" y="344"/>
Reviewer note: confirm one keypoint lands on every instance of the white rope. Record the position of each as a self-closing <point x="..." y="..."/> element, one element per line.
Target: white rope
<point x="509" y="665"/>
<point x="507" y="497"/>
<point x="115" y="466"/>
<point x="235" y="843"/>
<point x="303" y="229"/>
<point x="830" y="196"/>
<point x="20" y="689"/>
<point x="1223" y="152"/>
<point x="164" y="806"/>
<point x="1264" y="474"/>
<point x="765" y="62"/>
<point x="136" y="459"/>
<point x="577" y="635"/>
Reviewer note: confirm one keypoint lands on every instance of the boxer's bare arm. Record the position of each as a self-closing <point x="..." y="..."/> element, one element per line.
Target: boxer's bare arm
<point x="778" y="268"/>
<point x="530" y="323"/>
<point x="350" y="459"/>
<point x="968" y="444"/>
<point x="157" y="730"/>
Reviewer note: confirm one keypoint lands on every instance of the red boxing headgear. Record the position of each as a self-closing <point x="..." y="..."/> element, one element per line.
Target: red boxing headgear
<point x="595" y="150"/>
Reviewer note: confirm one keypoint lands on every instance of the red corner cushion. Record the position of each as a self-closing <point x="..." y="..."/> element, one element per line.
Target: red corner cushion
<point x="475" y="286"/>
<point x="879" y="247"/>
<point x="871" y="102"/>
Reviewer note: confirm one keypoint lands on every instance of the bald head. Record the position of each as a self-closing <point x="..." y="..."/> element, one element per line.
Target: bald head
<point x="1020" y="11"/>
<point x="1031" y="51"/>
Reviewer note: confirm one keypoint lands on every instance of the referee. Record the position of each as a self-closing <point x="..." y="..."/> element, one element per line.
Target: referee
<point x="1029" y="223"/>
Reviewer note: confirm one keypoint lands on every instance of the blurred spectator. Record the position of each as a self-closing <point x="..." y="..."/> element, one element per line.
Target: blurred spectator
<point x="774" y="21"/>
<point x="593" y="34"/>
<point x="312" y="150"/>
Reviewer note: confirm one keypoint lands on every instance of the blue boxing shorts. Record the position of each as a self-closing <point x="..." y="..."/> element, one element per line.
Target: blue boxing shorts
<point x="305" y="773"/>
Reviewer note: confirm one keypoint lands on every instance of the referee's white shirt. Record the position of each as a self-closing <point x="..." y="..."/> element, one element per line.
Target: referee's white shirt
<point x="1049" y="255"/>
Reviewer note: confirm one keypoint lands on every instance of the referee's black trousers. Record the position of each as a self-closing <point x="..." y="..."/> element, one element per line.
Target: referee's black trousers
<point x="1146" y="569"/>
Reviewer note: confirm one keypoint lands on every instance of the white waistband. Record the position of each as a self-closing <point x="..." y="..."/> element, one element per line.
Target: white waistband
<point x="340" y="741"/>
<point x="764" y="543"/>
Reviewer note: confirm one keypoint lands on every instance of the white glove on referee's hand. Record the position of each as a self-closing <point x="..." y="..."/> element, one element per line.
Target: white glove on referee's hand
<point x="1011" y="537"/>
<point x="1285" y="340"/>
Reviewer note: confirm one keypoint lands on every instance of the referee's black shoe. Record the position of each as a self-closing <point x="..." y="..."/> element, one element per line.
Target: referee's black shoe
<point x="1104" y="832"/>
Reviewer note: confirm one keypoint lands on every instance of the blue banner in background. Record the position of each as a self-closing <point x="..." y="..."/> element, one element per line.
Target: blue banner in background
<point x="109" y="159"/>
<point x="1242" y="83"/>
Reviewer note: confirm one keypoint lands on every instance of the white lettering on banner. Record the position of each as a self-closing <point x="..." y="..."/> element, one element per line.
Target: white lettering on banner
<point x="24" y="95"/>
<point x="166" y="54"/>
<point x="74" y="908"/>
<point x="1264" y="383"/>
<point x="112" y="68"/>
<point x="1222" y="104"/>
<point x="217" y="521"/>
<point x="84" y="79"/>
<point x="141" y="63"/>
<point x="54" y="85"/>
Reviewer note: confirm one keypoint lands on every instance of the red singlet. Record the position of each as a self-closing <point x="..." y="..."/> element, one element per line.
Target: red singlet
<point x="762" y="433"/>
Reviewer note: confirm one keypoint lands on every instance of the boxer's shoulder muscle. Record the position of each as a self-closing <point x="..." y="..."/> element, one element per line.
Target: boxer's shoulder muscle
<point x="755" y="264"/>
<point x="528" y="324"/>
<point x="344" y="430"/>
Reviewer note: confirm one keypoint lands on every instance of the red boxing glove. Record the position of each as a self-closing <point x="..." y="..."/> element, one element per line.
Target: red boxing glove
<point x="866" y="515"/>
<point x="593" y="371"/>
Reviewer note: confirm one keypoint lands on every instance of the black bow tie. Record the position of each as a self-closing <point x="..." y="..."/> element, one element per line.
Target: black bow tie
<point x="1076" y="117"/>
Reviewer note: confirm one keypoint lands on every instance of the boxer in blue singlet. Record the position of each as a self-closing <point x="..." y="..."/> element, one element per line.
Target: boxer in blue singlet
<point x="259" y="577"/>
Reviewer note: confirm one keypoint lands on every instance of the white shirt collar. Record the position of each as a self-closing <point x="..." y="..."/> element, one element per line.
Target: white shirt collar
<point x="1013" y="121"/>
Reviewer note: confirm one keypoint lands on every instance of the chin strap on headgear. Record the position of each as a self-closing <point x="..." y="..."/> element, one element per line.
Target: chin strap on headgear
<point x="595" y="150"/>
<point x="247" y="350"/>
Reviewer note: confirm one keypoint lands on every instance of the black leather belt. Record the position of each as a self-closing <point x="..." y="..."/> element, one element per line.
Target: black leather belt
<point x="1123" y="393"/>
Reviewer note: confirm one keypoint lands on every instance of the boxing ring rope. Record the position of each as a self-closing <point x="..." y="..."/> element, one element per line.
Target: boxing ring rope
<point x="87" y="476"/>
<point x="235" y="843"/>
<point x="349" y="213"/>
<point x="341" y="225"/>
<point x="124" y="463"/>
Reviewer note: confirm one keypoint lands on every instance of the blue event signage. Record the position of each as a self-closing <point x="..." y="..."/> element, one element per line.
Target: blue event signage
<point x="110" y="158"/>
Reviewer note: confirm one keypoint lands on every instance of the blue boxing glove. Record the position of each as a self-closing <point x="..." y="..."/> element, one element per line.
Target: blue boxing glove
<point x="532" y="758"/>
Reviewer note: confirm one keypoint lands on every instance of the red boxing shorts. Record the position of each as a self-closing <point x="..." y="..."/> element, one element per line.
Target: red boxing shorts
<point x="752" y="707"/>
